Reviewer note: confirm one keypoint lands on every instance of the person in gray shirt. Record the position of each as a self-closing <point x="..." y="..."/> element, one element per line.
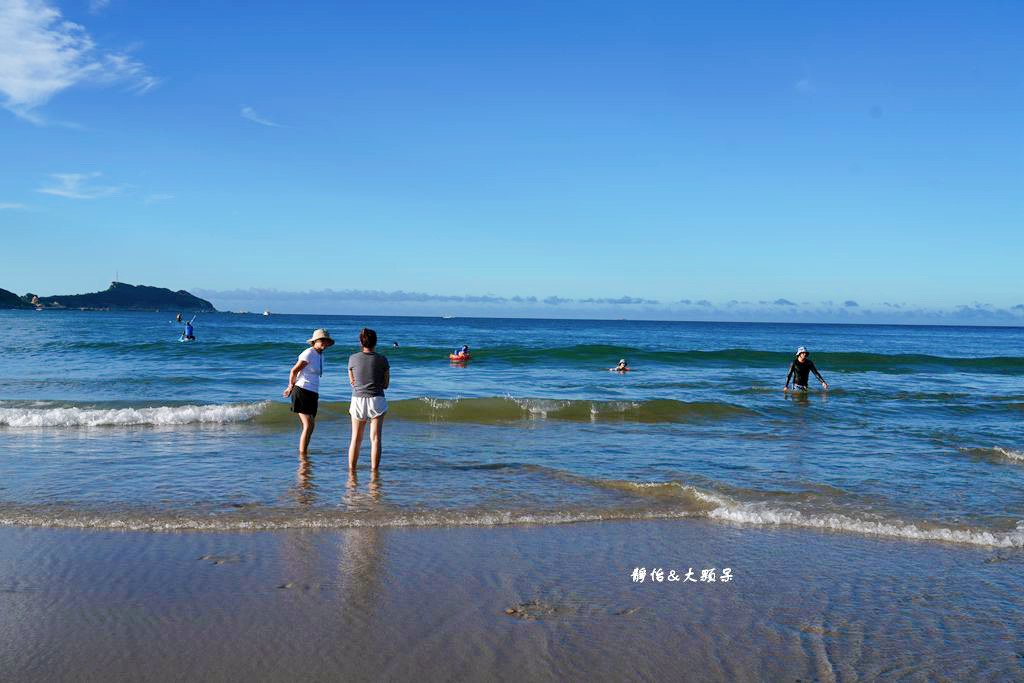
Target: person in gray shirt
<point x="369" y="374"/>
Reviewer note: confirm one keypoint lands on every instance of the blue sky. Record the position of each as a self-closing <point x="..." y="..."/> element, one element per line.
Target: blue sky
<point x="813" y="153"/>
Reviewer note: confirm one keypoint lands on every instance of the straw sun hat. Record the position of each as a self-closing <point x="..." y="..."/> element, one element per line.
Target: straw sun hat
<point x="321" y="334"/>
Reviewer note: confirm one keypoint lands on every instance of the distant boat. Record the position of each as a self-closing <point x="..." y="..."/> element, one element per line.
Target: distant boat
<point x="447" y="317"/>
<point x="266" y="312"/>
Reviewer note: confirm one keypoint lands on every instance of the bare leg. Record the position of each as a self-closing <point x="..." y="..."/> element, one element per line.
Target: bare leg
<point x="376" y="433"/>
<point x="308" y="425"/>
<point x="357" y="440"/>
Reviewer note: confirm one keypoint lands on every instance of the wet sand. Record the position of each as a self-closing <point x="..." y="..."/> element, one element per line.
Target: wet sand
<point x="507" y="603"/>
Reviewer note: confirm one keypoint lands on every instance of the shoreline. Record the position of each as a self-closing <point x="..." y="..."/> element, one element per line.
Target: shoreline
<point x="502" y="603"/>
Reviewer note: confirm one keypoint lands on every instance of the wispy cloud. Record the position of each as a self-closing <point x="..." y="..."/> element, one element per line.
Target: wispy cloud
<point x="42" y="54"/>
<point x="97" y="6"/>
<point x="804" y="86"/>
<point x="251" y="114"/>
<point x="619" y="301"/>
<point x="375" y="302"/>
<point x="77" y="186"/>
<point x="400" y="296"/>
<point x="157" y="197"/>
<point x="11" y="205"/>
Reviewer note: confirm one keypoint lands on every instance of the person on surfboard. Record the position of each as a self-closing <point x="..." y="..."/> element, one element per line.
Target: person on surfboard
<point x="799" y="370"/>
<point x="189" y="334"/>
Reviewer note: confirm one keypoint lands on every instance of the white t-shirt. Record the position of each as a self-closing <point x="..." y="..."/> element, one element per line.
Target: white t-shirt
<point x="309" y="376"/>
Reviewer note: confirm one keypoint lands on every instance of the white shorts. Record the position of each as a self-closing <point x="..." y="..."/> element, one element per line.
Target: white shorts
<point x="368" y="407"/>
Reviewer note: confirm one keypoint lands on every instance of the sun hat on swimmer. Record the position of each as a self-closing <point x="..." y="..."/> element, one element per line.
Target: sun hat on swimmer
<point x="801" y="349"/>
<point x="321" y="334"/>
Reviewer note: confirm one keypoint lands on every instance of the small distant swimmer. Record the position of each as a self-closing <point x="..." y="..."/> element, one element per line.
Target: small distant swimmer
<point x="177" y="318"/>
<point x="394" y="344"/>
<point x="623" y="366"/>
<point x="799" y="370"/>
<point x="461" y="353"/>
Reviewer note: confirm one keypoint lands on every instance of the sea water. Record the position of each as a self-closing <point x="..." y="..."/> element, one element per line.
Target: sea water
<point x="107" y="421"/>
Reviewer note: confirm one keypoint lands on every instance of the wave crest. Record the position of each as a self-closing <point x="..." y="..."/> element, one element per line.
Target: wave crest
<point x="509" y="409"/>
<point x="156" y="416"/>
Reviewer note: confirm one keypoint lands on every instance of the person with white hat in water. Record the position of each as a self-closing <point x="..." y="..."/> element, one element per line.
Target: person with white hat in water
<point x="799" y="370"/>
<point x="623" y="366"/>
<point x="304" y="384"/>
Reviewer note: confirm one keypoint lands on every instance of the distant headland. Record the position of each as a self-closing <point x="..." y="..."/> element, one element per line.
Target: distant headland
<point x="119" y="296"/>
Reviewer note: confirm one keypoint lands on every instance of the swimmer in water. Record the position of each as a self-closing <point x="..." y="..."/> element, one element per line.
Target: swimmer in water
<point x="623" y="366"/>
<point x="799" y="370"/>
<point x="463" y="352"/>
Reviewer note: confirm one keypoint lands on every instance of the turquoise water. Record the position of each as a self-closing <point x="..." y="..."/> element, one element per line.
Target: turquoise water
<point x="106" y="420"/>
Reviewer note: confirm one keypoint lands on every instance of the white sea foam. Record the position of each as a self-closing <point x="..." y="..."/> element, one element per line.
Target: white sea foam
<point x="439" y="403"/>
<point x="123" y="417"/>
<point x="273" y="520"/>
<point x="1016" y="456"/>
<point x="759" y="514"/>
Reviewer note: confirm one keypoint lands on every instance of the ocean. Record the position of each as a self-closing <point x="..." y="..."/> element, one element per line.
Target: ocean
<point x="108" y="422"/>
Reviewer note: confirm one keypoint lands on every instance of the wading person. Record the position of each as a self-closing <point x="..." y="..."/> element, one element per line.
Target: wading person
<point x="799" y="370"/>
<point x="304" y="384"/>
<point x="369" y="374"/>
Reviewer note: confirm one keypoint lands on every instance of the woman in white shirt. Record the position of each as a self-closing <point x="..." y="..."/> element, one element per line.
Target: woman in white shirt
<point x="304" y="384"/>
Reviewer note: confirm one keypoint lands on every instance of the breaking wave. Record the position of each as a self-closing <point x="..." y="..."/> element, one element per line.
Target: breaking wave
<point x="657" y="501"/>
<point x="45" y="415"/>
<point x="760" y="514"/>
<point x="458" y="410"/>
<point x="996" y="454"/>
<point x="508" y="409"/>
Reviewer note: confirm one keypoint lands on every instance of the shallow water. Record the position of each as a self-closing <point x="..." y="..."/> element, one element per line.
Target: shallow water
<point x="115" y="424"/>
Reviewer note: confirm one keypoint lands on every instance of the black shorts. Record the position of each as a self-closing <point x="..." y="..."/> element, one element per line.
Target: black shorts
<point x="305" y="401"/>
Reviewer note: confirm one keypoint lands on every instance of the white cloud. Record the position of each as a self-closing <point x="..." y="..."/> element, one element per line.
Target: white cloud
<point x="42" y="54"/>
<point x="158" y="197"/>
<point x="11" y="205"/>
<point x="97" y="6"/>
<point x="374" y="302"/>
<point x="250" y="113"/>
<point x="75" y="186"/>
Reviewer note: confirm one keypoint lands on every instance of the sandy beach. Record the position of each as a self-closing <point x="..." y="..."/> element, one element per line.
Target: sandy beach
<point x="514" y="603"/>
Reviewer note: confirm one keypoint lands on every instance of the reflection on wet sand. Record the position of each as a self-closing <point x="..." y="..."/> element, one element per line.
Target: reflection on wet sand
<point x="356" y="500"/>
<point x="304" y="490"/>
<point x="361" y="561"/>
